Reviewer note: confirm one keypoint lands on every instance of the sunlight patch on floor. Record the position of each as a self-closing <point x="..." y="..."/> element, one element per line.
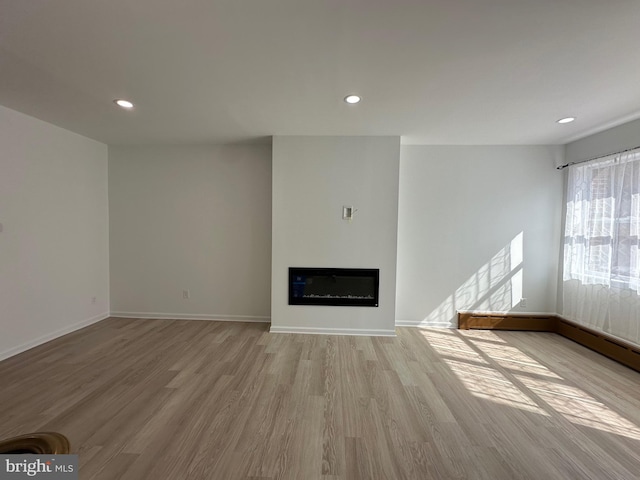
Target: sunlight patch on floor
<point x="579" y="407"/>
<point x="486" y="336"/>
<point x="451" y="346"/>
<point x="514" y="359"/>
<point x="488" y="383"/>
<point x="476" y="358"/>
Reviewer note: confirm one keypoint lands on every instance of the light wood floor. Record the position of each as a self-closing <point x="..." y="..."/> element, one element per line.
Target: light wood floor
<point x="163" y="399"/>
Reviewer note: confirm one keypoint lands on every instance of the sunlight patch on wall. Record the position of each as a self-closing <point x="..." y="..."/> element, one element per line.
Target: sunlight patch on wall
<point x="516" y="255"/>
<point x="497" y="286"/>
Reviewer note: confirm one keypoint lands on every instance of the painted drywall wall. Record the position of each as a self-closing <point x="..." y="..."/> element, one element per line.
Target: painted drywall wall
<point x="313" y="178"/>
<point x="190" y="218"/>
<point x="54" y="257"/>
<point x="478" y="229"/>
<point x="606" y="142"/>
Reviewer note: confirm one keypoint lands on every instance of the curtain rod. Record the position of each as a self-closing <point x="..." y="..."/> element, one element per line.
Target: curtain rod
<point x="562" y="167"/>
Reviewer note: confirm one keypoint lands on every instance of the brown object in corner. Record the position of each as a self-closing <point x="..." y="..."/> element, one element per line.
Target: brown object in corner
<point x="42" y="443"/>
<point x="615" y="349"/>
<point x="507" y="321"/>
<point x="611" y="347"/>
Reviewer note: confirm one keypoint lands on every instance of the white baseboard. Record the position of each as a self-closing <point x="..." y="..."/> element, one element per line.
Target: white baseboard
<point x="191" y="316"/>
<point x="423" y="323"/>
<point x="507" y="312"/>
<point x="335" y="331"/>
<point x="50" y="336"/>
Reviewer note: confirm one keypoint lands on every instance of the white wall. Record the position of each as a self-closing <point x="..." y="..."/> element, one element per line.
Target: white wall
<point x="190" y="218"/>
<point x="478" y="228"/>
<point x="606" y="142"/>
<point x="313" y="177"/>
<point x="54" y="255"/>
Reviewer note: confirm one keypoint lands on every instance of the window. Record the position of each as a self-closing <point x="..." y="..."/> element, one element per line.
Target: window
<point x="602" y="223"/>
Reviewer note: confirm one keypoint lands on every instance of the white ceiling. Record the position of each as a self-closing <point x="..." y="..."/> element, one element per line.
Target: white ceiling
<point x="432" y="71"/>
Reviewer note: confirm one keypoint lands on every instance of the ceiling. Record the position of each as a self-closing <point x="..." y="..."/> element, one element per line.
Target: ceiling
<point x="439" y="72"/>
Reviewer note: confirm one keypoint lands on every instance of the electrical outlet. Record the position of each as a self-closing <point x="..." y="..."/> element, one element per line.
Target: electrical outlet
<point x="186" y="295"/>
<point x="523" y="303"/>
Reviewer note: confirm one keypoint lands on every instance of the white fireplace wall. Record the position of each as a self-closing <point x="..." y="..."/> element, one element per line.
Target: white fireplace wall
<point x="313" y="178"/>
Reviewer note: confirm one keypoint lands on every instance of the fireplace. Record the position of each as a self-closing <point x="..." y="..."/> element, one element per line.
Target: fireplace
<point x="350" y="287"/>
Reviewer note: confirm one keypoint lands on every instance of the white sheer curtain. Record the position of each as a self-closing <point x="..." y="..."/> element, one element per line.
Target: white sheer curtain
<point x="601" y="279"/>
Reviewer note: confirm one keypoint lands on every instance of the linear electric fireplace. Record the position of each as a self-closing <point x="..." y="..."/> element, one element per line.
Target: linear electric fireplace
<point x="352" y="287"/>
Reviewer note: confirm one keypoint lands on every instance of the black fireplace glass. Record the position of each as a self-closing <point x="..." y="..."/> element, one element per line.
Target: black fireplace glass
<point x="355" y="287"/>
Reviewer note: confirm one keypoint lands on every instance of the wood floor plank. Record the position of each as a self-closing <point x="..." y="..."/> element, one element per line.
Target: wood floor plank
<point x="165" y="399"/>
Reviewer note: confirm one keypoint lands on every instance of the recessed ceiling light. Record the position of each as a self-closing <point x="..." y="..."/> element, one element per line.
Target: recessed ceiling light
<point x="123" y="103"/>
<point x="566" y="120"/>
<point x="352" y="99"/>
